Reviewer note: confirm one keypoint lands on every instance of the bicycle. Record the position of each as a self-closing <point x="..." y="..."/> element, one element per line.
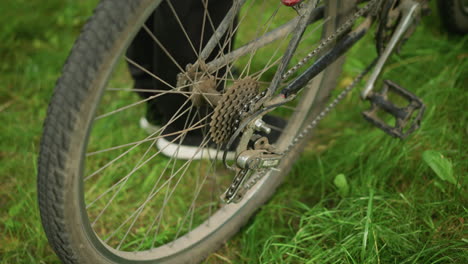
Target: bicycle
<point x="81" y="198"/>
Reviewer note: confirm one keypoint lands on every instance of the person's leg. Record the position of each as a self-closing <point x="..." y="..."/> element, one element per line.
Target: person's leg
<point x="167" y="30"/>
<point x="141" y="52"/>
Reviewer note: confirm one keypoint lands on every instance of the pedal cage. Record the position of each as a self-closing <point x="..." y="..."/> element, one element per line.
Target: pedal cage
<point x="405" y="123"/>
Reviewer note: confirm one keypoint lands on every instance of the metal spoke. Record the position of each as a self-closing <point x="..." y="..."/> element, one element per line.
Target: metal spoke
<point x="166" y="198"/>
<point x="141" y="141"/>
<point x="148" y="72"/>
<point x="211" y="169"/>
<point x="152" y="195"/>
<point x="220" y="31"/>
<point x="227" y="39"/>
<point x="277" y="61"/>
<point x="125" y="178"/>
<point x="255" y="44"/>
<point x="167" y="52"/>
<point x="231" y="33"/>
<point x="161" y="91"/>
<point x="137" y="166"/>
<point x="172" y="161"/>
<point x="130" y="105"/>
<point x="174" y="117"/>
<point x="181" y="26"/>
<point x="202" y="145"/>
<point x="140" y="210"/>
<point x="202" y="34"/>
<point x="266" y="26"/>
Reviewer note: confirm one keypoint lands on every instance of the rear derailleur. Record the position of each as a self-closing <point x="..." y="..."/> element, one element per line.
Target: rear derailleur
<point x="251" y="165"/>
<point x="236" y="121"/>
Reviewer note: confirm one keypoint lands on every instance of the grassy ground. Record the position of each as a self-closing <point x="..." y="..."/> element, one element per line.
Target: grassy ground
<point x="355" y="196"/>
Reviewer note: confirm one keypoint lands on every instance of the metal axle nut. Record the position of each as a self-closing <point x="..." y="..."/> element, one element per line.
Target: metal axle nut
<point x="260" y="125"/>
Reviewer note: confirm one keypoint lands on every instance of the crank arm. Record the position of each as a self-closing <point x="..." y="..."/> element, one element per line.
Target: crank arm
<point x="410" y="9"/>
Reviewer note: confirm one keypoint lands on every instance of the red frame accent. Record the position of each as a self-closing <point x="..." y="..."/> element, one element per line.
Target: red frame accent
<point x="290" y="2"/>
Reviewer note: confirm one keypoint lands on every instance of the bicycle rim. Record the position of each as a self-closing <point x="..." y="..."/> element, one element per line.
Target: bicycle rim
<point x="121" y="192"/>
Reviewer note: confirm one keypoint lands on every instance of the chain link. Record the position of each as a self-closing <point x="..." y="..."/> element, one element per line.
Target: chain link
<point x="238" y="191"/>
<point x="343" y="28"/>
<point x="326" y="42"/>
<point x="327" y="109"/>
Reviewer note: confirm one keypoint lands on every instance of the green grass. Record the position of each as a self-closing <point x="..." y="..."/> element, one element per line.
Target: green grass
<point x="395" y="201"/>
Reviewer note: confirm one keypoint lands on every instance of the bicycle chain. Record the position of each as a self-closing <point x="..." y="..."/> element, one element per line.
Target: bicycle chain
<point x="237" y="189"/>
<point x="343" y="28"/>
<point x="328" y="108"/>
<point x="326" y="42"/>
<point x="250" y="182"/>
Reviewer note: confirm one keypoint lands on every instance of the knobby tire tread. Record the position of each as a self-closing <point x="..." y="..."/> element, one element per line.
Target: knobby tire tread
<point x="453" y="18"/>
<point x="71" y="89"/>
<point x="69" y="97"/>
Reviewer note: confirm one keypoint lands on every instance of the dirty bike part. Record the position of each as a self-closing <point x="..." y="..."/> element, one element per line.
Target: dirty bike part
<point x="267" y="38"/>
<point x="324" y="61"/>
<point x="454" y="15"/>
<point x="301" y="26"/>
<point x="261" y="156"/>
<point x="233" y="189"/>
<point x="230" y="108"/>
<point x="327" y="59"/>
<point x="255" y="162"/>
<point x="410" y="10"/>
<point x="389" y="16"/>
<point x="292" y="89"/>
<point x="268" y="156"/>
<point x="252" y="159"/>
<point x="407" y="118"/>
<point x="342" y="29"/>
<point x="81" y="227"/>
<point x="247" y="127"/>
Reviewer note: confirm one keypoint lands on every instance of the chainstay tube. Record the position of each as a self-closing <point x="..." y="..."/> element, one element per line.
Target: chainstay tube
<point x="346" y="26"/>
<point x="323" y="62"/>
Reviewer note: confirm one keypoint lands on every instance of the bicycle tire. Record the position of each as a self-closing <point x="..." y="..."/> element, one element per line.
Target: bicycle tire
<point x="69" y="122"/>
<point x="454" y="15"/>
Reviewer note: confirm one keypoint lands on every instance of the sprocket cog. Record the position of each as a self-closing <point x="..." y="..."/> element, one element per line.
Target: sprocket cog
<point x="230" y="107"/>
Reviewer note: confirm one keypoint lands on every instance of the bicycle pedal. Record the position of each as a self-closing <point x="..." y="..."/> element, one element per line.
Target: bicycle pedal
<point x="407" y="118"/>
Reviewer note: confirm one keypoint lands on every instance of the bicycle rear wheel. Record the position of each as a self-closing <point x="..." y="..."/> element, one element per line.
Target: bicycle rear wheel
<point x="106" y="193"/>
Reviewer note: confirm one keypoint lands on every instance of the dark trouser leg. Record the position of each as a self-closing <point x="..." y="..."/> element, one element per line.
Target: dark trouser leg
<point x="167" y="30"/>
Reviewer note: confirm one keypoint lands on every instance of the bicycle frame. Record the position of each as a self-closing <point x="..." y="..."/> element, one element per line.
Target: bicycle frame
<point x="307" y="15"/>
<point x="410" y="8"/>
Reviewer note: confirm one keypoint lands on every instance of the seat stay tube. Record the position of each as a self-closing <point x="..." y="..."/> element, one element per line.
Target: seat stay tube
<point x="267" y="38"/>
<point x="305" y="17"/>
<point x="221" y="30"/>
